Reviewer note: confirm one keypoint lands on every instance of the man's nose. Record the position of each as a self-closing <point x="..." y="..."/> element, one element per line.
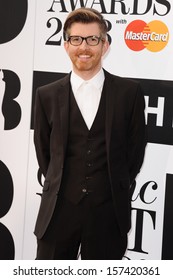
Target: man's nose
<point x="84" y="45"/>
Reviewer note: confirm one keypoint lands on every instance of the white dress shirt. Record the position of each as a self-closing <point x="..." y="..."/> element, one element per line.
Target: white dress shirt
<point x="87" y="95"/>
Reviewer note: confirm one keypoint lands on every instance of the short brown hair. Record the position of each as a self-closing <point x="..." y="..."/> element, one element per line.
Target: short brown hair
<point x="85" y="15"/>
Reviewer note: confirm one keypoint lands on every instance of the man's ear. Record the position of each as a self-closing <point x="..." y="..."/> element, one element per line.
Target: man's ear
<point x="66" y="44"/>
<point x="106" y="46"/>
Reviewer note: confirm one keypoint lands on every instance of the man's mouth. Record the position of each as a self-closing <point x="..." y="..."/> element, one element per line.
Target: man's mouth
<point x="84" y="56"/>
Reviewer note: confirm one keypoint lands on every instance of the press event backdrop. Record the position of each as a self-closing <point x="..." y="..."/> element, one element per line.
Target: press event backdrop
<point x="32" y="54"/>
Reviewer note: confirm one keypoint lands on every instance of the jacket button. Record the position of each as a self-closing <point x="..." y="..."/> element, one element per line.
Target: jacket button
<point x="84" y="190"/>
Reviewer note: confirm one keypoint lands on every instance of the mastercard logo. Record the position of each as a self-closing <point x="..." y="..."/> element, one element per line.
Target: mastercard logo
<point x="153" y="36"/>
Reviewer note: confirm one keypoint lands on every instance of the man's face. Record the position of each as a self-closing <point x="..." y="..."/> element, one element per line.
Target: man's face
<point x="86" y="59"/>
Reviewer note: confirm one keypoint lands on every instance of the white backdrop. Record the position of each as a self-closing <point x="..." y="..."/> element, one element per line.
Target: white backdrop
<point x="36" y="54"/>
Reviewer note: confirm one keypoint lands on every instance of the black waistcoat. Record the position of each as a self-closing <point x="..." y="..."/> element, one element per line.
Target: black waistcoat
<point x="85" y="170"/>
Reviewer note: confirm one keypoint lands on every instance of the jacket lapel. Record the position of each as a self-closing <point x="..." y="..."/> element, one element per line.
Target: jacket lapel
<point x="64" y="109"/>
<point x="110" y="106"/>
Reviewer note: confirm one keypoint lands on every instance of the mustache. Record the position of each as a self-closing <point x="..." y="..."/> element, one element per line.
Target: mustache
<point x="84" y="53"/>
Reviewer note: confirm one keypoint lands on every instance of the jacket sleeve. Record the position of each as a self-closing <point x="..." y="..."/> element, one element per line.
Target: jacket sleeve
<point x="41" y="135"/>
<point x="136" y="135"/>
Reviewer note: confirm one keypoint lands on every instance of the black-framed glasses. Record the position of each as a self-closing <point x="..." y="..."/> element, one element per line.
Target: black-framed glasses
<point x="90" y="40"/>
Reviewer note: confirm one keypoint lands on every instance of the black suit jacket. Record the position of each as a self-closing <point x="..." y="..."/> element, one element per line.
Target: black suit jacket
<point x="125" y="142"/>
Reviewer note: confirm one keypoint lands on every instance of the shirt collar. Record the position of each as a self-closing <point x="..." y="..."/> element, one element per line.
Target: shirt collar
<point x="97" y="80"/>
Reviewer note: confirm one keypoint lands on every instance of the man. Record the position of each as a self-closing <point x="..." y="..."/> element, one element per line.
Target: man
<point x="90" y="140"/>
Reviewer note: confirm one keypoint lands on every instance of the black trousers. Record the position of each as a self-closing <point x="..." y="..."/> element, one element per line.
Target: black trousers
<point x="92" y="228"/>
